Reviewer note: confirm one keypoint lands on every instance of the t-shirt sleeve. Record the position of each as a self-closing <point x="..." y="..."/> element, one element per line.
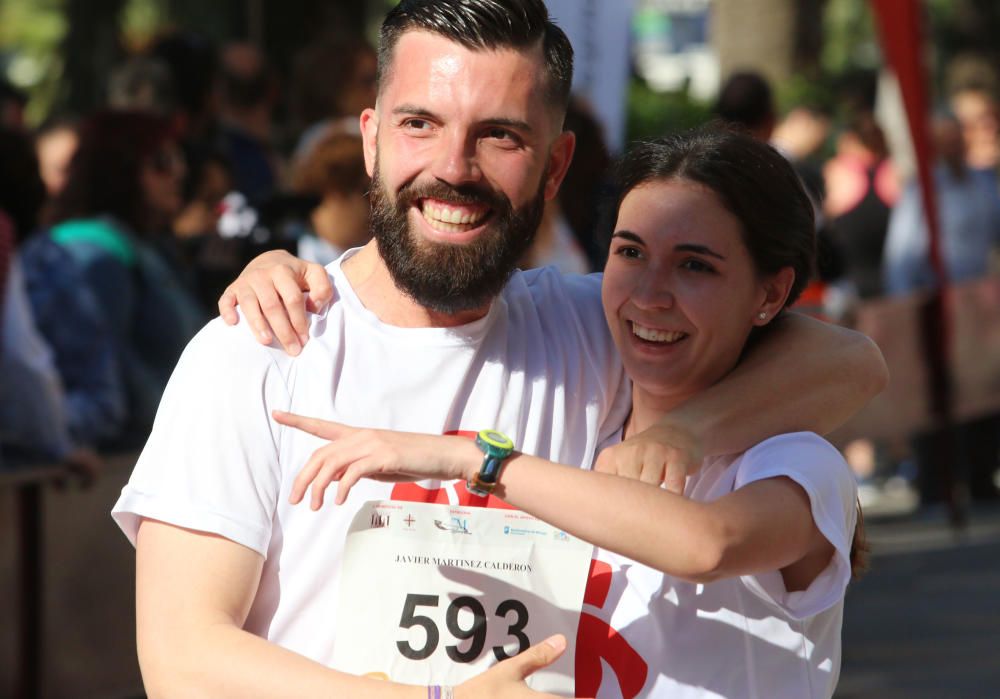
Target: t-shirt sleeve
<point x="821" y="471"/>
<point x="211" y="462"/>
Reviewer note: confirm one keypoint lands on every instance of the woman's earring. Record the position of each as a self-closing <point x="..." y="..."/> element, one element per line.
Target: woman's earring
<point x="762" y="315"/>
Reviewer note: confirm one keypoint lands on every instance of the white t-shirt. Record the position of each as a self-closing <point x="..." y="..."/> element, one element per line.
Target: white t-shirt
<point x="647" y="634"/>
<point x="540" y="367"/>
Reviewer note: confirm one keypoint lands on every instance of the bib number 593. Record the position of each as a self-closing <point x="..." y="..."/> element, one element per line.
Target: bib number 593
<point x="476" y="632"/>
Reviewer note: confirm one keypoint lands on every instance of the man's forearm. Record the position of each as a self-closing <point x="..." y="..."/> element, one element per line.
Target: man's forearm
<point x="804" y="375"/>
<point x="225" y="661"/>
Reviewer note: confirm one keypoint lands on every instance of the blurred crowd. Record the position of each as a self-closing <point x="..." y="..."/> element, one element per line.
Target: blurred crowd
<point x="120" y="228"/>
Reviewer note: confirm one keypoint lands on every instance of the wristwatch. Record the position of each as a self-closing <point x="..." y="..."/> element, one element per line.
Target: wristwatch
<point x="496" y="447"/>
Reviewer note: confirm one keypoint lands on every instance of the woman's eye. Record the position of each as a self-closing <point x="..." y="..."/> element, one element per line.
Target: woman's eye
<point x="695" y="265"/>
<point x="629" y="252"/>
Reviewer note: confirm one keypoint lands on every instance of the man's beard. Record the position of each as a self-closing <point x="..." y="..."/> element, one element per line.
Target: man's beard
<point x="451" y="278"/>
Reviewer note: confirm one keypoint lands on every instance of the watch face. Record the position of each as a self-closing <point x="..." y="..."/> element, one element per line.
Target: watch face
<point x="496" y="439"/>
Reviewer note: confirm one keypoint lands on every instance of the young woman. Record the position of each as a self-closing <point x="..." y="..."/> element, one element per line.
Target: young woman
<point x="736" y="588"/>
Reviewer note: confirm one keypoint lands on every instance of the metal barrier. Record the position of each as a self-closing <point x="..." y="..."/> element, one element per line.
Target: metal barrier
<point x="69" y="582"/>
<point x="974" y="362"/>
<point x="27" y="484"/>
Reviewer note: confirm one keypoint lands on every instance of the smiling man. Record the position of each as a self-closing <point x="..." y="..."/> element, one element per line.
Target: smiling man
<point x="430" y="330"/>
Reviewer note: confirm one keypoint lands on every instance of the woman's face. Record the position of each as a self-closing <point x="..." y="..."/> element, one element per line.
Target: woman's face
<point x="680" y="290"/>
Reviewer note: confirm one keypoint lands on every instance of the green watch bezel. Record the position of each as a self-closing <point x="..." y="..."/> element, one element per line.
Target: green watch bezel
<point x="496" y="446"/>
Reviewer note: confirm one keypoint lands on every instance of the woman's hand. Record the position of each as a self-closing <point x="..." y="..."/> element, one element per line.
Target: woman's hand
<point x="664" y="454"/>
<point x="506" y="680"/>
<point x="275" y="291"/>
<point x="355" y="453"/>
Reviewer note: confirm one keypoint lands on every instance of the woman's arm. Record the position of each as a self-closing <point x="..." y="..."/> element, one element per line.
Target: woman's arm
<point x="766" y="525"/>
<point x="804" y="375"/>
<point x="193" y="594"/>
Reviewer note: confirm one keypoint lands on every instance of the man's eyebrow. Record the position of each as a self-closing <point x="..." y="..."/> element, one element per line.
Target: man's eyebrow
<point x="414" y="110"/>
<point x="700" y="249"/>
<point x="506" y="122"/>
<point x="515" y="124"/>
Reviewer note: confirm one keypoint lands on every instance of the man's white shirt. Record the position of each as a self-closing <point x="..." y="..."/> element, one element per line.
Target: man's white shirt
<point x="540" y="367"/>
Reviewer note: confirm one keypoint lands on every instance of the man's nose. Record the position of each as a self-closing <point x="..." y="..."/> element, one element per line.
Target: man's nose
<point x="458" y="161"/>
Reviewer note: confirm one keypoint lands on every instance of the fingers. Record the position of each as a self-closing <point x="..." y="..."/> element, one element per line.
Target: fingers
<point x="227" y="306"/>
<point x="539" y="656"/>
<point x="294" y="302"/>
<point x="267" y="291"/>
<point x="357" y="470"/>
<point x="317" y="283"/>
<point x="675" y="475"/>
<point x="324" y="429"/>
<point x="249" y="303"/>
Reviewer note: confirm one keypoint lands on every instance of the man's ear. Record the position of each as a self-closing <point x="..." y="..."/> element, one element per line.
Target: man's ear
<point x="369" y="137"/>
<point x="560" y="156"/>
<point x="776" y="290"/>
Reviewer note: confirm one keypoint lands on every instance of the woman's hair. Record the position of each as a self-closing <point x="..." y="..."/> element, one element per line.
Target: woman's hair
<point x="104" y="176"/>
<point x="753" y="181"/>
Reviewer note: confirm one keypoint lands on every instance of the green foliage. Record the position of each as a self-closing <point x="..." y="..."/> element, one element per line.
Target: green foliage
<point x="30" y="34"/>
<point x="653" y="114"/>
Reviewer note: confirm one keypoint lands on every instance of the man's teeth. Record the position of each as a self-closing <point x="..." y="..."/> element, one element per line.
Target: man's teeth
<point x="449" y="218"/>
<point x="652" y="335"/>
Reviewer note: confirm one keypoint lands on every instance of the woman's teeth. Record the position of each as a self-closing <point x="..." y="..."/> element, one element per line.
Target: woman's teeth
<point x="651" y="335"/>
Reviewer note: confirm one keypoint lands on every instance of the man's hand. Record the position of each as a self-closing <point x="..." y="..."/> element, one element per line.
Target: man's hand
<point x="663" y="454"/>
<point x="275" y="291"/>
<point x="506" y="680"/>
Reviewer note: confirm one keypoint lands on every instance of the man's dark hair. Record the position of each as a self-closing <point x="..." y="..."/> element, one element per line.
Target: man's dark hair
<point x="484" y="24"/>
<point x="746" y="100"/>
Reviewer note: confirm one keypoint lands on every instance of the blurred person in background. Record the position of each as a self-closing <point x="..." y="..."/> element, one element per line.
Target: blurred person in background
<point x="334" y="171"/>
<point x="969" y="213"/>
<point x="568" y="233"/>
<point x="248" y="92"/>
<point x="43" y="414"/>
<point x="746" y="100"/>
<point x="32" y="403"/>
<point x="976" y="110"/>
<point x="55" y="144"/>
<point x="861" y="188"/>
<point x="108" y="225"/>
<point x="333" y="81"/>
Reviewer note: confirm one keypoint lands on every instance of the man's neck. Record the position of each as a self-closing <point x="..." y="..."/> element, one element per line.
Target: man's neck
<point x="369" y="277"/>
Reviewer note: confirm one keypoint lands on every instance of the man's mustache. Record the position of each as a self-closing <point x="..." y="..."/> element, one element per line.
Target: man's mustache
<point x="442" y="191"/>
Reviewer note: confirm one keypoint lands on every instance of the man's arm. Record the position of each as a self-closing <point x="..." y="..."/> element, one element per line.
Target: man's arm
<point x="193" y="594"/>
<point x="804" y="375"/>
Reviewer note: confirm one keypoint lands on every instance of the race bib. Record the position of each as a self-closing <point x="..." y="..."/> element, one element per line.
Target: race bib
<point x="435" y="594"/>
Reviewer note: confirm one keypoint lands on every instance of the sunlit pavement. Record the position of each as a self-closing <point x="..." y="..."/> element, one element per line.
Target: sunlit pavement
<point x="925" y="622"/>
